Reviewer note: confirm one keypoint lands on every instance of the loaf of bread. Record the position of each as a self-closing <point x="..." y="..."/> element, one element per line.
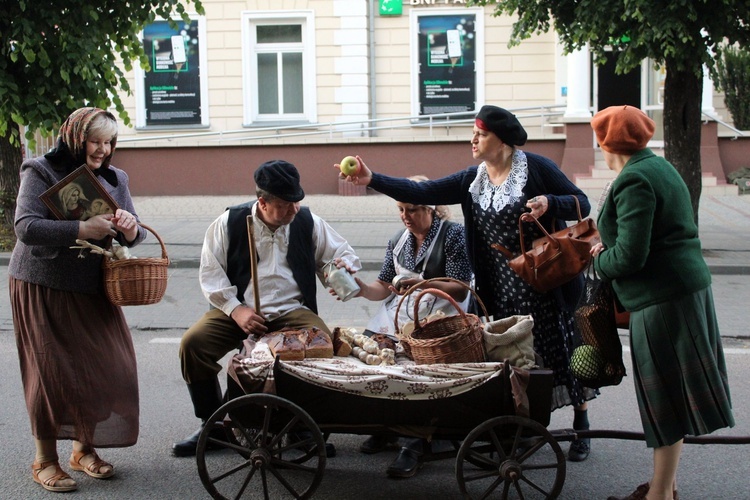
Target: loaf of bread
<point x="288" y="345"/>
<point x="340" y="345"/>
<point x="318" y="344"/>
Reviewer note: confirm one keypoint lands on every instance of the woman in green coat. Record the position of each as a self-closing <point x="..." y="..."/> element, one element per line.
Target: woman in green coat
<point x="651" y="253"/>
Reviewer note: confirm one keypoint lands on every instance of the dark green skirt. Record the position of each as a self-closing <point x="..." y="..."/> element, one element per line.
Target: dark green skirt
<point x="679" y="370"/>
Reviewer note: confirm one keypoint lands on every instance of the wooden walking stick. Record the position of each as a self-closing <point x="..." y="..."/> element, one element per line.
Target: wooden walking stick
<point x="253" y="262"/>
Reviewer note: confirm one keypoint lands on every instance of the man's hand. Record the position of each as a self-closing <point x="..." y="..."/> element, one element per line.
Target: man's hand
<point x="249" y="321"/>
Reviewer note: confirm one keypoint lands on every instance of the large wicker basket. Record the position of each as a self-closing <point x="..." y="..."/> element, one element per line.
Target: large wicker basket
<point x="453" y="339"/>
<point x="136" y="282"/>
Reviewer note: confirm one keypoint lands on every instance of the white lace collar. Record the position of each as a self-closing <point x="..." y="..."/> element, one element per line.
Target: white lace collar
<point x="510" y="191"/>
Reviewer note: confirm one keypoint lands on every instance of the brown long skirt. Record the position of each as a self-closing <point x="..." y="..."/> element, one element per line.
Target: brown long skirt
<point x="78" y="366"/>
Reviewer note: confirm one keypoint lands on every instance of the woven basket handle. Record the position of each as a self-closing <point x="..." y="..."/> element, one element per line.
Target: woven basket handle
<point x="158" y="238"/>
<point x="108" y="245"/>
<point x="439" y="293"/>
<point x="421" y="284"/>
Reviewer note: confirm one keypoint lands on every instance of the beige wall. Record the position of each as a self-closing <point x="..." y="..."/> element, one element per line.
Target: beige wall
<point x="514" y="77"/>
<point x="528" y="75"/>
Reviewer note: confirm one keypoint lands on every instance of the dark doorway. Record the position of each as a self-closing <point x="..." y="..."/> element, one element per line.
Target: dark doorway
<point x="617" y="90"/>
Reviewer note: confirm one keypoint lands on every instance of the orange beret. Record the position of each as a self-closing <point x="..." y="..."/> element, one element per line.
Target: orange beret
<point x="622" y="129"/>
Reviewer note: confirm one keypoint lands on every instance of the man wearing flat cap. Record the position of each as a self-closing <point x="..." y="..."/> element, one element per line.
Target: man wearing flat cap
<point x="292" y="245"/>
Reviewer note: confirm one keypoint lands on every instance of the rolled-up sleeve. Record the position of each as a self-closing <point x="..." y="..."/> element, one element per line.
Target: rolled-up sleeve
<point x="331" y="245"/>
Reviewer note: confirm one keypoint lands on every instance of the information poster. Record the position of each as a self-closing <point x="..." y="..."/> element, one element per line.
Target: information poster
<point x="447" y="64"/>
<point x="172" y="85"/>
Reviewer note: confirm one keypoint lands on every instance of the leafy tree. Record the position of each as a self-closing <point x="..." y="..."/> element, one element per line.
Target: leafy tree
<point x="733" y="77"/>
<point x="59" y="55"/>
<point x="681" y="35"/>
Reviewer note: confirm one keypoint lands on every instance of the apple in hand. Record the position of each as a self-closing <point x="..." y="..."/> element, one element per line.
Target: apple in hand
<point x="349" y="166"/>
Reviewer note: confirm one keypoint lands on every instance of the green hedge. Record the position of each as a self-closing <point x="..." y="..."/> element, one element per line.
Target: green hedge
<point x="733" y="78"/>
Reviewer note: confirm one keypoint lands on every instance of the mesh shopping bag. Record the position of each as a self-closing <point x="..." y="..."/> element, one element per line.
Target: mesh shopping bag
<point x="597" y="362"/>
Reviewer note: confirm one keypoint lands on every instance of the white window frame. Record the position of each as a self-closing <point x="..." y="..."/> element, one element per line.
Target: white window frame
<point x="140" y="91"/>
<point x="250" y="19"/>
<point x="414" y="16"/>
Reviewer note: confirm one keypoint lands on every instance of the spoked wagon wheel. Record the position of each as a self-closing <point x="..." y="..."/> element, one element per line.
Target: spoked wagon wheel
<point x="514" y="456"/>
<point x="269" y="441"/>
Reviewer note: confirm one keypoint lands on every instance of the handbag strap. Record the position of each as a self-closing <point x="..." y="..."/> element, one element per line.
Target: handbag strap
<point x="591" y="270"/>
<point x="530" y="218"/>
<point x="578" y="207"/>
<point x="508" y="254"/>
<point x="578" y="210"/>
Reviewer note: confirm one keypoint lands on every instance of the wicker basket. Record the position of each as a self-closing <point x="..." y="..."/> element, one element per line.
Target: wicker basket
<point x="136" y="282"/>
<point x="453" y="339"/>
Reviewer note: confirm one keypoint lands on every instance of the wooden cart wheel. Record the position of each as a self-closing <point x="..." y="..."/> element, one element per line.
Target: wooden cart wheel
<point x="271" y="446"/>
<point x="514" y="456"/>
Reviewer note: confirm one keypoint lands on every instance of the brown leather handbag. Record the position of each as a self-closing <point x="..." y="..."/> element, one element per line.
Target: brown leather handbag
<point x="557" y="258"/>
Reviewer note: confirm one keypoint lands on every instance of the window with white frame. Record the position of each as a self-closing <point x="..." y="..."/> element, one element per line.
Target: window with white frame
<point x="278" y="67"/>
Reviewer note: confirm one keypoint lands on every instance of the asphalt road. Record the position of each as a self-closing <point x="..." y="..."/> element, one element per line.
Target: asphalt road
<point x="148" y="471"/>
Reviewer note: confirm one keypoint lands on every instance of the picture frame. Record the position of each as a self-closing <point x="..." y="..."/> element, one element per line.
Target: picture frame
<point x="78" y="196"/>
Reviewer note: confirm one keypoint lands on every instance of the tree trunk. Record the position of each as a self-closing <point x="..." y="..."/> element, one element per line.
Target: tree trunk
<point x="683" y="92"/>
<point x="10" y="166"/>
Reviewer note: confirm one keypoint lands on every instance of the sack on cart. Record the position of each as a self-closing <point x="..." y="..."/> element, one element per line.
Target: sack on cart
<point x="511" y="339"/>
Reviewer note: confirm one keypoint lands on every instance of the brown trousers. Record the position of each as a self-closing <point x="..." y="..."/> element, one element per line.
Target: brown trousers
<point x="205" y="343"/>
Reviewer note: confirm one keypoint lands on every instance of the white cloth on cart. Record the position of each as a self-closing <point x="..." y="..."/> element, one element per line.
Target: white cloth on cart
<point x="404" y="380"/>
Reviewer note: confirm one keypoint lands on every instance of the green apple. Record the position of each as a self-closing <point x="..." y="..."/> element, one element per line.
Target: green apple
<point x="349" y="166"/>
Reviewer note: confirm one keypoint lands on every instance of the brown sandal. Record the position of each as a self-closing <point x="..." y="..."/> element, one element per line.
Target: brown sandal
<point x="50" y="483"/>
<point x="93" y="469"/>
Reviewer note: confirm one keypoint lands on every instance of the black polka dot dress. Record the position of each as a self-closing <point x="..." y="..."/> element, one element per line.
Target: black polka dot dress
<point x="554" y="329"/>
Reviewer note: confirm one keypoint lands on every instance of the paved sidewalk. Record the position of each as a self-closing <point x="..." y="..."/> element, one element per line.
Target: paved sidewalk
<point x="367" y="222"/>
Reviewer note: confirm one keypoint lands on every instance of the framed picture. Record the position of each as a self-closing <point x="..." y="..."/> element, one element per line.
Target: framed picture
<point x="78" y="196"/>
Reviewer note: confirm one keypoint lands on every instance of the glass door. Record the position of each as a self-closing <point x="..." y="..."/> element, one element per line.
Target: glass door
<point x="653" y="100"/>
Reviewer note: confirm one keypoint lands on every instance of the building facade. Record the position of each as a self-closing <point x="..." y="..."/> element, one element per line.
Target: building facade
<point x="396" y="81"/>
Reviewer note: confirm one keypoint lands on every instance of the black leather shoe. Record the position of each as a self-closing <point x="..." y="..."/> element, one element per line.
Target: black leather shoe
<point x="188" y="446"/>
<point x="406" y="464"/>
<point x="579" y="450"/>
<point x="376" y="444"/>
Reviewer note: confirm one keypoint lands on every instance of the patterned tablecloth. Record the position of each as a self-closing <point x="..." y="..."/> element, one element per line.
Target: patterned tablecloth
<point x="252" y="369"/>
